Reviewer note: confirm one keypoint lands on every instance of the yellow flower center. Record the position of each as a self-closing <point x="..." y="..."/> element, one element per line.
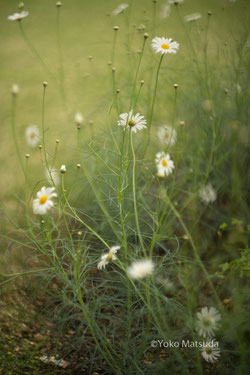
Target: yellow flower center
<point x="109" y="257"/>
<point x="207" y="321"/>
<point x="166" y="135"/>
<point x="32" y="135"/>
<point x="131" y="123"/>
<point x="164" y="163"/>
<point x="208" y="350"/>
<point x="165" y="46"/>
<point x="43" y="199"/>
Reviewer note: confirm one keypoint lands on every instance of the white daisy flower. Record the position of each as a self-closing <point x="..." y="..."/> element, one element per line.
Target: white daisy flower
<point x="140" y="269"/>
<point x="175" y="1"/>
<point x="134" y="122"/>
<point x="165" y="12"/>
<point x="207" y="194"/>
<point x="210" y="353"/>
<point x="18" y="16"/>
<point x="106" y="258"/>
<point x="192" y="17"/>
<point x="120" y="9"/>
<point x="164" y="45"/>
<point x="79" y="118"/>
<point x="43" y="202"/>
<point x="54" y="174"/>
<point x="164" y="164"/>
<point x="207" y="321"/>
<point x="167" y="135"/>
<point x="32" y="135"/>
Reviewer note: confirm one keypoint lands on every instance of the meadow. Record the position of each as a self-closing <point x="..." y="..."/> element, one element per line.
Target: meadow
<point x="124" y="243"/>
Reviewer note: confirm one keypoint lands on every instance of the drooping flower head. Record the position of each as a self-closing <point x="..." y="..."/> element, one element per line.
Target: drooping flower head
<point x="207" y="194"/>
<point x="164" y="45"/>
<point x="140" y="269"/>
<point x="106" y="258"/>
<point x="43" y="201"/>
<point x="164" y="164"/>
<point x="18" y="16"/>
<point x="165" y="12"/>
<point x="32" y="135"/>
<point x="120" y="9"/>
<point x="192" y="17"/>
<point x="167" y="135"/>
<point x="207" y="322"/>
<point x="134" y="122"/>
<point x="210" y="353"/>
<point x="176" y="2"/>
<point x="52" y="173"/>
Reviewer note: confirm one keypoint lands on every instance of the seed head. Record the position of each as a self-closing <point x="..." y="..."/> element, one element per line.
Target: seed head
<point x="79" y="233"/>
<point x="45" y="83"/>
<point x="142" y="82"/>
<point x="40" y="147"/>
<point x="78" y="165"/>
<point x="116" y="28"/>
<point x="176" y="86"/>
<point x="118" y="91"/>
<point x="21" y="5"/>
<point x="27" y="156"/>
<point x="209" y="13"/>
<point x="57" y="141"/>
<point x="58" y="4"/>
<point x="113" y="69"/>
<point x="146" y="35"/>
<point x="226" y="91"/>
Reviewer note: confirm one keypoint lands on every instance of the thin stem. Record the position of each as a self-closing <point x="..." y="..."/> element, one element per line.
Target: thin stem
<point x="61" y="70"/>
<point x="13" y="127"/>
<point x="33" y="49"/>
<point x="134" y="192"/>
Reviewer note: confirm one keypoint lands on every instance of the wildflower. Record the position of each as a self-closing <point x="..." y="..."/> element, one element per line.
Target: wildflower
<point x="79" y="118"/>
<point x="18" y="16"/>
<point x="210" y="353"/>
<point x="167" y="135"/>
<point x="120" y="9"/>
<point x="32" y="135"/>
<point x="106" y="258"/>
<point x="52" y="360"/>
<point x="15" y="89"/>
<point x="192" y="17"/>
<point x="63" y="168"/>
<point x="43" y="203"/>
<point x="165" y="165"/>
<point x="52" y="174"/>
<point x="134" y="122"/>
<point x="165" y="10"/>
<point x="207" y="194"/>
<point x="164" y="45"/>
<point x="207" y="322"/>
<point x="140" y="269"/>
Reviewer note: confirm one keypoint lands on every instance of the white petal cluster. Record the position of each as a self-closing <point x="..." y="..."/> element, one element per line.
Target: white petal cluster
<point x="207" y="194"/>
<point x="134" y="122"/>
<point x="164" y="45"/>
<point x="79" y="118"/>
<point x="207" y="321"/>
<point x="164" y="164"/>
<point x="106" y="258"/>
<point x="32" y="135"/>
<point x="167" y="135"/>
<point x="18" y="16"/>
<point x="140" y="269"/>
<point x="43" y="201"/>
